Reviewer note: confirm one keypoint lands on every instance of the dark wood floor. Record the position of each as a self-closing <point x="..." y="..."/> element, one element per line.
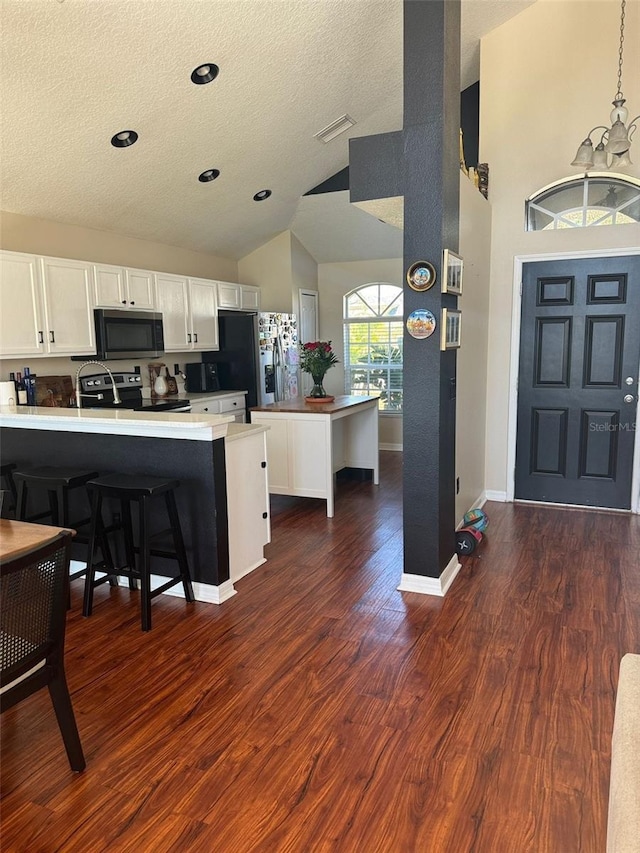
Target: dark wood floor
<point x="322" y="710"/>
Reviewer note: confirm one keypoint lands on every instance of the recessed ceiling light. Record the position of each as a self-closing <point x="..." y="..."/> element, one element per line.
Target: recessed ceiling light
<point x="208" y="175"/>
<point x="204" y="73"/>
<point x="262" y="195"/>
<point x="124" y="139"/>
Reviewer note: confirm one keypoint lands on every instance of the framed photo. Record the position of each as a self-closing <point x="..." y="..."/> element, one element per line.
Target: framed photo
<point x="451" y="273"/>
<point x="421" y="275"/>
<point x="450" y="329"/>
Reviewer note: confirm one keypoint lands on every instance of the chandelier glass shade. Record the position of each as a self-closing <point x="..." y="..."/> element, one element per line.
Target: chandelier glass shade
<point x="612" y="150"/>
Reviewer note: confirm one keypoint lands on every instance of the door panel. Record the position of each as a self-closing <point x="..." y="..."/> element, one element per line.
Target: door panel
<point x="580" y="341"/>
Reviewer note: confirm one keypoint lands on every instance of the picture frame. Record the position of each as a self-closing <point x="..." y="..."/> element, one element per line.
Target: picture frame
<point x="452" y="267"/>
<point x="421" y="276"/>
<point x="450" y="329"/>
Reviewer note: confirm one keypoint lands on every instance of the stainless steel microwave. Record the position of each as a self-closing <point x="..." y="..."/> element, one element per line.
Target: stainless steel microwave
<point x="128" y="334"/>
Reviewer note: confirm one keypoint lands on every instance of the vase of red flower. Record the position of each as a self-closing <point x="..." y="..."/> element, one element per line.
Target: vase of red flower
<point x="316" y="357"/>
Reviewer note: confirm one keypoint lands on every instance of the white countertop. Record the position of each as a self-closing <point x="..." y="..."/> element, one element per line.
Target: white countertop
<point x="236" y="431"/>
<point x="112" y="422"/>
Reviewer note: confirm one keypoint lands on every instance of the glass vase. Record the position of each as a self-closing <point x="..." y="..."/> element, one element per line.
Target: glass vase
<point x="317" y="390"/>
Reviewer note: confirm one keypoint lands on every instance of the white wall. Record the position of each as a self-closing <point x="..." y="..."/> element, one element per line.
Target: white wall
<point x="547" y="77"/>
<point x="269" y="268"/>
<point x="471" y="398"/>
<point x="42" y="237"/>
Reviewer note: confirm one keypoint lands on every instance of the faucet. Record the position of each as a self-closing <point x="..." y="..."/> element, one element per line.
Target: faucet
<point x="79" y="396"/>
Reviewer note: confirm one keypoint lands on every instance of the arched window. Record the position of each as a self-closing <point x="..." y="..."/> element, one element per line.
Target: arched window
<point x="596" y="199"/>
<point x="373" y="328"/>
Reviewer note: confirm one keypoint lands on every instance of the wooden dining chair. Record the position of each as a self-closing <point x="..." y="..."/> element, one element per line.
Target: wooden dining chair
<point x="33" y="607"/>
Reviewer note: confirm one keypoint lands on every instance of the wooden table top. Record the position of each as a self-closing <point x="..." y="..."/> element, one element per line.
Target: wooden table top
<point x="301" y="406"/>
<point x="17" y="537"/>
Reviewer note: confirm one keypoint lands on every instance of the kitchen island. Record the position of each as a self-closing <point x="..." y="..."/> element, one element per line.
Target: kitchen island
<point x="308" y="443"/>
<point x="188" y="447"/>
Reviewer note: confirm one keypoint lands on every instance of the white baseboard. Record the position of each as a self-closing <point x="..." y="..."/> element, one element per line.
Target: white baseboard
<point x="431" y="586"/>
<point x="387" y="446"/>
<point x="491" y="495"/>
<point x="202" y="591"/>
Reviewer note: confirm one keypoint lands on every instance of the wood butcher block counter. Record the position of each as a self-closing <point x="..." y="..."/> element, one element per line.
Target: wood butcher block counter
<point x="190" y="448"/>
<point x="308" y="442"/>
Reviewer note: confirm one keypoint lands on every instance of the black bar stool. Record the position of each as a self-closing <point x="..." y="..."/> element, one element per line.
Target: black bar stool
<point x="58" y="482"/>
<point x="6" y="476"/>
<point x="138" y="488"/>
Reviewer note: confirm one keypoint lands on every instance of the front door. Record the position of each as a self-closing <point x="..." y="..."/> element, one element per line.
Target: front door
<point x="578" y="381"/>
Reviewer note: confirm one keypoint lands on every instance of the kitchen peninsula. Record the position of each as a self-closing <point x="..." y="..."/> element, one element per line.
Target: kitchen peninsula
<point x="308" y="443"/>
<point x="204" y="452"/>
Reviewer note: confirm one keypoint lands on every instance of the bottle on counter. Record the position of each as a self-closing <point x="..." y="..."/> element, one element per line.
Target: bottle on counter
<point x="30" y="384"/>
<point x="21" y="390"/>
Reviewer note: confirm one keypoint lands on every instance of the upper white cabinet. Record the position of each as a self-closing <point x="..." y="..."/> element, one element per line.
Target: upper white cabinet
<point x="189" y="311"/>
<point x="203" y="302"/>
<point x="46" y="306"/>
<point x="117" y="287"/>
<point x="20" y="305"/>
<point x="238" y="297"/>
<point x="249" y="297"/>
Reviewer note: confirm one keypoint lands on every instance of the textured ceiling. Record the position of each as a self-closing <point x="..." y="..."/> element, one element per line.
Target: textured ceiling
<point x="76" y="72"/>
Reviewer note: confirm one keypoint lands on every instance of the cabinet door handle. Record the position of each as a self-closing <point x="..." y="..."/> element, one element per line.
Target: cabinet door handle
<point x="124" y="301"/>
<point x="206" y="408"/>
<point x="52" y="336"/>
<point x="195" y="335"/>
<point x="189" y="335"/>
<point x="40" y="337"/>
<point x="264" y="515"/>
<point x="263" y="464"/>
<point x="132" y="302"/>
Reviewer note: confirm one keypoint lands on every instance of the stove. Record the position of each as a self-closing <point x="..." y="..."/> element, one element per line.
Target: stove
<point x="129" y="387"/>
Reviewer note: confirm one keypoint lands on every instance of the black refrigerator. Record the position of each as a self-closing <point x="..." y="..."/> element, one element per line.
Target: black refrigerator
<point x="237" y="358"/>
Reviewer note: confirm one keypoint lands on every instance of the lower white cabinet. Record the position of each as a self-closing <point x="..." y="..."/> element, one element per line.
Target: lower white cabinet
<point x="247" y="499"/>
<point x="220" y="403"/>
<point x="46" y="306"/>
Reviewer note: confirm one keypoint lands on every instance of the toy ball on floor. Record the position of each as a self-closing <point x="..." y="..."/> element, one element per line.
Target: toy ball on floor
<point x="476" y="518"/>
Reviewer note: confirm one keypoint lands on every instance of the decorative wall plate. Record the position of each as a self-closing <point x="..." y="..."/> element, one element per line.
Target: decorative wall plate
<point x="421" y="323"/>
<point x="421" y="275"/>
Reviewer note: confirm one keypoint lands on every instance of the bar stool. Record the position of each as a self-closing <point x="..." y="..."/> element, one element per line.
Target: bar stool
<point x="58" y="482"/>
<point x="6" y="477"/>
<point x="140" y="489"/>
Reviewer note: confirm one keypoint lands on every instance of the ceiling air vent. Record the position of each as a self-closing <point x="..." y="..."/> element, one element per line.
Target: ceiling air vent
<point x="335" y="128"/>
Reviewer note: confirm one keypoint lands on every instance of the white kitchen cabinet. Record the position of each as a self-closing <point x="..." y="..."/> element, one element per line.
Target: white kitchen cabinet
<point x="46" y="305"/>
<point x="229" y="296"/>
<point x="249" y="297"/>
<point x="189" y="311"/>
<point x="203" y="303"/>
<point x="20" y="305"/>
<point x="119" y="287"/>
<point x="238" y="297"/>
<point x="220" y="403"/>
<point x="247" y="499"/>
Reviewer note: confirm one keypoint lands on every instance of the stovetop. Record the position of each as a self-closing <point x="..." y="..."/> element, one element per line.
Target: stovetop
<point x="129" y="387"/>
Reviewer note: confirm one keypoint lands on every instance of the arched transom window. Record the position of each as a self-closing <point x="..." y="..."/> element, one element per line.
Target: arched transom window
<point x="373" y="343"/>
<point x="596" y="199"/>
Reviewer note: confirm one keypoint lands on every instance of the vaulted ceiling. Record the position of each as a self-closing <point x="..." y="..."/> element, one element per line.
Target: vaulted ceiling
<point x="76" y="72"/>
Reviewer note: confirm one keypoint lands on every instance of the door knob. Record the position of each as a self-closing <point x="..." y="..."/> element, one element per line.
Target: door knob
<point x="629" y="380"/>
<point x="629" y="398"/>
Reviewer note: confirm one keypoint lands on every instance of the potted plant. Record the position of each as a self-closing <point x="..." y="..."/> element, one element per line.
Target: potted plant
<point x="316" y="357"/>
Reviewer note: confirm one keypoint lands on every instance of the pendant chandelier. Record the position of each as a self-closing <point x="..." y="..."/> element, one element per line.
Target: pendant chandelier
<point x="612" y="151"/>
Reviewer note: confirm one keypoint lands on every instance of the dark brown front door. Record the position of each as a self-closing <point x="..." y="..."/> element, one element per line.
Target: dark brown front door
<point x="578" y="381"/>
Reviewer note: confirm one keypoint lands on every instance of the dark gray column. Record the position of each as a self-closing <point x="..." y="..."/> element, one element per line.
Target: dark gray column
<point x="425" y="169"/>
